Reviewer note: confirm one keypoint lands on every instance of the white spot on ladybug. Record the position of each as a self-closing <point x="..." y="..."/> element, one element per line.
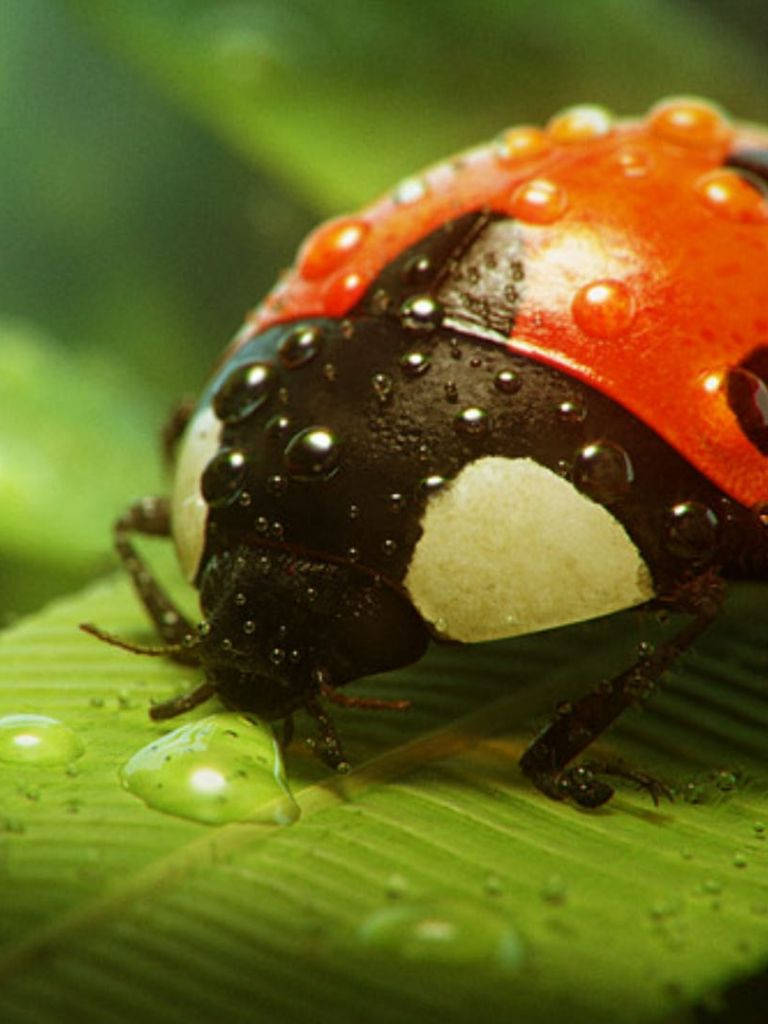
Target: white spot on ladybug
<point x="509" y="547"/>
<point x="188" y="508"/>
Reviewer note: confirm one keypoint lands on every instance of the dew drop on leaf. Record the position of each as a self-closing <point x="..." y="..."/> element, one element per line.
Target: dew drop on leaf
<point x="221" y="768"/>
<point x="444" y="933"/>
<point x="37" y="739"/>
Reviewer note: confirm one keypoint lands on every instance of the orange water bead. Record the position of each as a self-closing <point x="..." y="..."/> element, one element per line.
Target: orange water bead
<point x="689" y="122"/>
<point x="330" y="246"/>
<point x="604" y="308"/>
<point x="343" y="293"/>
<point x="580" y="124"/>
<point x="523" y="143"/>
<point x="730" y="194"/>
<point x="538" y="201"/>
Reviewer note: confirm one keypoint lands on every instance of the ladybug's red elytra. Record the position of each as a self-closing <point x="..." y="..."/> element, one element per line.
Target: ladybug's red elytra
<point x="526" y="388"/>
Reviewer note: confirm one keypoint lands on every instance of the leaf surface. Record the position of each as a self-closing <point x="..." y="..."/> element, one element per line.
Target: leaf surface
<point x="433" y="875"/>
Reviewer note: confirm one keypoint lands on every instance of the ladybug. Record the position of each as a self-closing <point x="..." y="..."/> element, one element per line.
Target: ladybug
<point x="528" y="387"/>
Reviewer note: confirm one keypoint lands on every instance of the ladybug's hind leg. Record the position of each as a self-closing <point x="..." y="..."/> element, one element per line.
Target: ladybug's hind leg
<point x="580" y="723"/>
<point x="151" y="516"/>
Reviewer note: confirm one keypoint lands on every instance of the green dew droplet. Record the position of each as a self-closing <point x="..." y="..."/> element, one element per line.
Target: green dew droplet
<point x="222" y="768"/>
<point x="554" y="890"/>
<point x="37" y="739"/>
<point x="443" y="933"/>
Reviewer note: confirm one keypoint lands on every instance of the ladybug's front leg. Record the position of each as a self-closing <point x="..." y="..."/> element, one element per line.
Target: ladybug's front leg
<point x="579" y="723"/>
<point x="329" y="748"/>
<point x="151" y="516"/>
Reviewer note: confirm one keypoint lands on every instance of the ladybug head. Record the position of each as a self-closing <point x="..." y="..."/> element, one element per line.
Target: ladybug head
<point x="280" y="628"/>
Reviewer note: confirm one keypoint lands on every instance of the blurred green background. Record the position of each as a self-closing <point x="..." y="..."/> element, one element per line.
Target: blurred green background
<point x="162" y="159"/>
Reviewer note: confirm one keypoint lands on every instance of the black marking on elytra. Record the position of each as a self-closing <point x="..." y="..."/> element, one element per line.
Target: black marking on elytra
<point x="392" y="438"/>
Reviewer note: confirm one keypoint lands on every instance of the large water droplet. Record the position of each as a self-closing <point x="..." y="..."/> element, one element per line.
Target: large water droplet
<point x="603" y="470"/>
<point x="225" y="767"/>
<point x="421" y="313"/>
<point x="328" y="247"/>
<point x="580" y="123"/>
<point x="692" y="530"/>
<point x="223" y="477"/>
<point x="343" y="292"/>
<point x="37" y="739"/>
<point x="688" y="122"/>
<point x="734" y="194"/>
<point x="539" y="201"/>
<point x="472" y="421"/>
<point x="312" y="454"/>
<point x="300" y="347"/>
<point x="244" y="391"/>
<point x="603" y="309"/>
<point x="522" y="143"/>
<point x="443" y="933"/>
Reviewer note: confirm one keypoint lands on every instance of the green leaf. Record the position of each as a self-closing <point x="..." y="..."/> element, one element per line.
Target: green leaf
<point x="342" y="99"/>
<point x="431" y="883"/>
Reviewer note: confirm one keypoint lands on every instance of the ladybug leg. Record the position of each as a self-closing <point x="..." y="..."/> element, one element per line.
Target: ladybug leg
<point x="184" y="702"/>
<point x="174" y="427"/>
<point x="580" y="723"/>
<point x="362" y="703"/>
<point x="151" y="516"/>
<point x="328" y="745"/>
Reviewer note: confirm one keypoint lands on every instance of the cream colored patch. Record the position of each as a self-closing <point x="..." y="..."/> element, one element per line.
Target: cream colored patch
<point x="188" y="508"/>
<point x="509" y="547"/>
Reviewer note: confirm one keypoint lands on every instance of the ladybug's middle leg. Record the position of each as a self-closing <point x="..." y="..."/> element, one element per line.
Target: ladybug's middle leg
<point x="584" y="720"/>
<point x="151" y="516"/>
<point x="329" y="748"/>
